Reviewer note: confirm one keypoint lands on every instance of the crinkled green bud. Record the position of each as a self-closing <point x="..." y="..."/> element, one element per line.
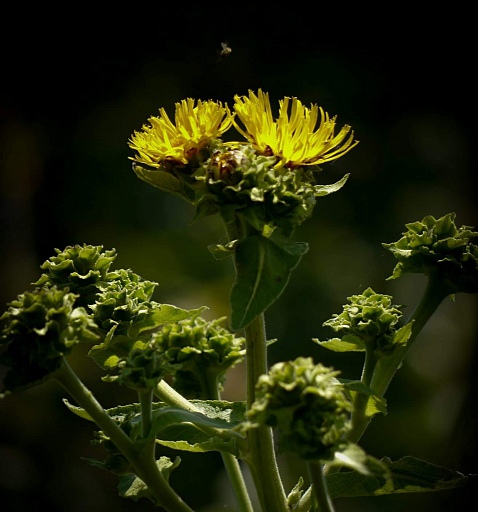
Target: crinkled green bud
<point x="306" y="404"/>
<point x="144" y="368"/>
<point x="123" y="301"/>
<point x="370" y="317"/>
<point x="83" y="269"/>
<point x="437" y="247"/>
<point x="204" y="352"/>
<point x="268" y="196"/>
<point x="39" y="329"/>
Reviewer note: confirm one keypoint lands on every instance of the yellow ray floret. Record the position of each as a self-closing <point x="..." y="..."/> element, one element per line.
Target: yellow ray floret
<point x="194" y="127"/>
<point x="292" y="137"/>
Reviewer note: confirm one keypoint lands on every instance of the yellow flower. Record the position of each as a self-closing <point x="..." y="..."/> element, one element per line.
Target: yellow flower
<point x="194" y="128"/>
<point x="291" y="137"/>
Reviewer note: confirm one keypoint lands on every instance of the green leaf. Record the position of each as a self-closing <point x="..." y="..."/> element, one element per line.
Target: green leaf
<point x="165" y="314"/>
<point x="402" y="335"/>
<point x="325" y="190"/>
<point x="375" y="404"/>
<point x="130" y="486"/>
<point x="263" y="270"/>
<point x="178" y="428"/>
<point x="355" y="458"/>
<point x="407" y="475"/>
<point x="349" y="343"/>
<point x="79" y="411"/>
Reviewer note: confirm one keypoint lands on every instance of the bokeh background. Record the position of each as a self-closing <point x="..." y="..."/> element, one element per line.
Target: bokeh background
<point x="74" y="88"/>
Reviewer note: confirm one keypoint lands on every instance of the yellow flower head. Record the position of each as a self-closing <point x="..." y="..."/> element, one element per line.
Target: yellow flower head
<point x="291" y="137"/>
<point x="194" y="128"/>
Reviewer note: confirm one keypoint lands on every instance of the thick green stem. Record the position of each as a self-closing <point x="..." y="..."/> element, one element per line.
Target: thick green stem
<point x="146" y="404"/>
<point x="359" y="418"/>
<point x="262" y="458"/>
<point x="437" y="289"/>
<point x="386" y="367"/>
<point x="143" y="463"/>
<point x="319" y="487"/>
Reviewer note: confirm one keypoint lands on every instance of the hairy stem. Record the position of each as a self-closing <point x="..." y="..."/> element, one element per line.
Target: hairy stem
<point x="262" y="458"/>
<point x="319" y="487"/>
<point x="143" y="463"/>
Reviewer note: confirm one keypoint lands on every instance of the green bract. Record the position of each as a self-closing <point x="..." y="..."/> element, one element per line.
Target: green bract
<point x="144" y="368"/>
<point x="307" y="405"/>
<point x="39" y="329"/>
<point x="203" y="351"/>
<point x="124" y="301"/>
<point x="237" y="177"/>
<point x="369" y="321"/>
<point x="437" y="247"/>
<point x="83" y="269"/>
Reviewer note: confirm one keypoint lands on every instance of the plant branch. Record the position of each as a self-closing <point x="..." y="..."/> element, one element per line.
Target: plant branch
<point x="143" y="464"/>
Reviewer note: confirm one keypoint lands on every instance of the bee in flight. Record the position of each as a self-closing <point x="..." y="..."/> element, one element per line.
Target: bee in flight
<point x="224" y="51"/>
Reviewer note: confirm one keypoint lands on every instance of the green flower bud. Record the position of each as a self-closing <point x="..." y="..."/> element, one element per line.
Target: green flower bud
<point x="265" y="194"/>
<point x="203" y="351"/>
<point x="369" y="320"/>
<point x="438" y="248"/>
<point x="306" y="404"/>
<point x="83" y="269"/>
<point x="123" y="301"/>
<point x="39" y="329"/>
<point x="144" y="368"/>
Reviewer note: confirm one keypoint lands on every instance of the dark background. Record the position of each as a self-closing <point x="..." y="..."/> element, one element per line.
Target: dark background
<point x="74" y="88"/>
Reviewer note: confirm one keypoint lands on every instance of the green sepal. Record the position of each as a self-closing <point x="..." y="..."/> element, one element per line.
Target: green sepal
<point x="325" y="190"/>
<point x="293" y="498"/>
<point x="130" y="486"/>
<point x="165" y="180"/>
<point x="263" y="270"/>
<point x="407" y="475"/>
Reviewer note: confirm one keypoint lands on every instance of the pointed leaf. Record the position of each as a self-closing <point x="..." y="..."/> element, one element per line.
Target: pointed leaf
<point x="408" y="475"/>
<point x="325" y="190"/>
<point x="349" y="343"/>
<point x="263" y="271"/>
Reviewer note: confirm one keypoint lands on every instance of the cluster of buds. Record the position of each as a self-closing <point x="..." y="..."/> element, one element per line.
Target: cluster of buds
<point x="438" y="249"/>
<point x="369" y="321"/>
<point x="83" y="269"/>
<point x="202" y="352"/>
<point x="38" y="330"/>
<point x="307" y="405"/>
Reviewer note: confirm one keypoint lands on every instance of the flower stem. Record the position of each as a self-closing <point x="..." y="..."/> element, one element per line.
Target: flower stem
<point x="319" y="487"/>
<point x="143" y="463"/>
<point x="262" y="458"/>
<point x="359" y="418"/>
<point x="437" y="289"/>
